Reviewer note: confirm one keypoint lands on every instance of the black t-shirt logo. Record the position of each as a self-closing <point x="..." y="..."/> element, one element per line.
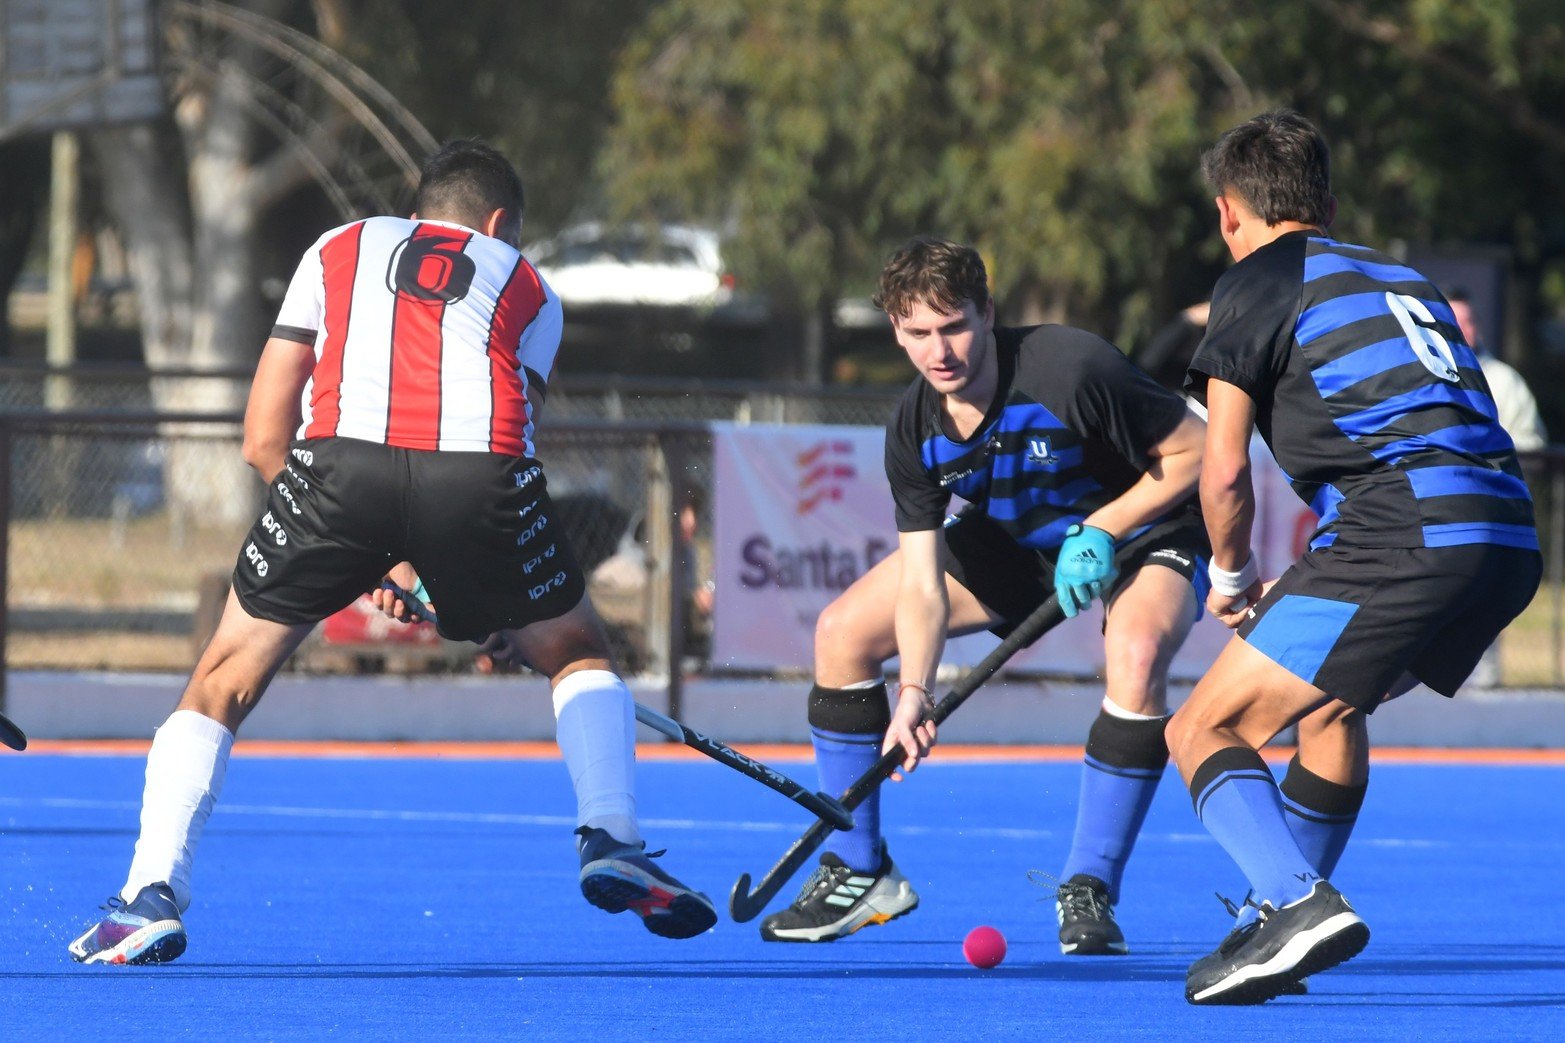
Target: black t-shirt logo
<point x="431" y="268"/>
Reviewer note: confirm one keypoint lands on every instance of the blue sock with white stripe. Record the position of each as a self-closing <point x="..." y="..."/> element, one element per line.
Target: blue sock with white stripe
<point x="1321" y="814"/>
<point x="847" y="726"/>
<point x="1237" y="800"/>
<point x="1124" y="761"/>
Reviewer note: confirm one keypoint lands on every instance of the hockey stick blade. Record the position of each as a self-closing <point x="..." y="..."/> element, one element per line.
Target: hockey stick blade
<point x="745" y="905"/>
<point x="15" y="738"/>
<point x="820" y="805"/>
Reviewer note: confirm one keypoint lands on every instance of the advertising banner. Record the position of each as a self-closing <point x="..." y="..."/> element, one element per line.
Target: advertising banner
<point x="802" y="511"/>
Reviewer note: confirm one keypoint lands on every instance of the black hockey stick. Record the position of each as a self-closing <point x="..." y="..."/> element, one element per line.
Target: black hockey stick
<point x="820" y="805"/>
<point x="745" y="904"/>
<point x="13" y="737"/>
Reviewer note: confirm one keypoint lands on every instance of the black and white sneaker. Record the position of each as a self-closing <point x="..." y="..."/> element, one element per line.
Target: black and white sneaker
<point x="837" y="900"/>
<point x="1269" y="956"/>
<point x="1237" y="936"/>
<point x="1087" y="926"/>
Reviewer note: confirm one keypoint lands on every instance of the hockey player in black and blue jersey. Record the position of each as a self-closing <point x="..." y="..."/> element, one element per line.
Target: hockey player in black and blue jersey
<point x="1351" y="366"/>
<point x="1066" y="454"/>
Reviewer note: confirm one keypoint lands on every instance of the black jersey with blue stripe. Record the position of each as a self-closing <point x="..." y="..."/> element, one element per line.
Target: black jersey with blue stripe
<point x="1070" y="429"/>
<point x="1368" y="397"/>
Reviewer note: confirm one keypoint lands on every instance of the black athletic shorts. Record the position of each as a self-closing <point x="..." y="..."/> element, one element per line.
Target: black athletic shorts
<point x="1011" y="580"/>
<point x="1352" y="620"/>
<point x="478" y="527"/>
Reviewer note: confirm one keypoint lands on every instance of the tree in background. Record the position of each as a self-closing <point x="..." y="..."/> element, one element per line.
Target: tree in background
<point x="1063" y="138"/>
<point x="531" y="78"/>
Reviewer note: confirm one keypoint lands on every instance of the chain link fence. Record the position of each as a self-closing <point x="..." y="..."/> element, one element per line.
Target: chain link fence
<point x="120" y="533"/>
<point x="122" y="525"/>
<point x="122" y="389"/>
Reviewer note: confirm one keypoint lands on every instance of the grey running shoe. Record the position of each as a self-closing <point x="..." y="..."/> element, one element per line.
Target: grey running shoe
<point x="837" y="900"/>
<point x="617" y="876"/>
<point x="145" y="930"/>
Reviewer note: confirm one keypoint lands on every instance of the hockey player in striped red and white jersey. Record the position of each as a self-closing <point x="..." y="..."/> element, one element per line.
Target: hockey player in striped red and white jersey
<point x="392" y="414"/>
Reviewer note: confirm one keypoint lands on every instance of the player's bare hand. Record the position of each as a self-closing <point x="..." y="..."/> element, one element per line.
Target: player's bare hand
<point x="910" y="730"/>
<point x="1231" y="611"/>
<point x="403" y="576"/>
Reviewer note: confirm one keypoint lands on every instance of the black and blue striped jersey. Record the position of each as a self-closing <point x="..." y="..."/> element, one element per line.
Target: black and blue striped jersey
<point x="1369" y="399"/>
<point x="1069" y="430"/>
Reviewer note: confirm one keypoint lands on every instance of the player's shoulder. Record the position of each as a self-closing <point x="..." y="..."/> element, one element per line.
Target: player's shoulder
<point x="1055" y="356"/>
<point x="1276" y="267"/>
<point x="332" y="234"/>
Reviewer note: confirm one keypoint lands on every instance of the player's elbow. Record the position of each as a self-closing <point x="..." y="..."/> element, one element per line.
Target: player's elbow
<point x="265" y="454"/>
<point x="1222" y="476"/>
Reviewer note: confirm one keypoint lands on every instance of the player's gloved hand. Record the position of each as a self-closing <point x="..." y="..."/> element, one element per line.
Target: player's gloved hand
<point x="1085" y="567"/>
<point x="403" y="576"/>
<point x="908" y="728"/>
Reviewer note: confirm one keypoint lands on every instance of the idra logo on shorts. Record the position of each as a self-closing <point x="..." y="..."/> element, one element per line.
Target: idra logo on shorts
<point x="824" y="471"/>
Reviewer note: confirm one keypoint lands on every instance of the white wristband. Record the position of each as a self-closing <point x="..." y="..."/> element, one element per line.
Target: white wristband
<point x="1232" y="584"/>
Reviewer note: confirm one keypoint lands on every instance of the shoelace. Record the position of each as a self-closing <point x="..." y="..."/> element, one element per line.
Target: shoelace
<point x="1238" y="935"/>
<point x="1077" y="899"/>
<point x="1082" y="901"/>
<point x="823" y="876"/>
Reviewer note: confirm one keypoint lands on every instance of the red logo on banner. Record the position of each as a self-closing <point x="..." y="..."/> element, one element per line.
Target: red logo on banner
<point x="824" y="468"/>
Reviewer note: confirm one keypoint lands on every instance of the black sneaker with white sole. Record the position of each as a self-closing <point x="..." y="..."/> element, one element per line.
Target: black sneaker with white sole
<point x="1270" y="956"/>
<point x="837" y="900"/>
<point x="1087" y="926"/>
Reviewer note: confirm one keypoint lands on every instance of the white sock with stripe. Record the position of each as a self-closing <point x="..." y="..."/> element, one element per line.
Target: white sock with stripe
<point x="185" y="771"/>
<point x="595" y="725"/>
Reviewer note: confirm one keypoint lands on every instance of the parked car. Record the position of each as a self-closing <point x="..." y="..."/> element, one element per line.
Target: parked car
<point x="598" y="265"/>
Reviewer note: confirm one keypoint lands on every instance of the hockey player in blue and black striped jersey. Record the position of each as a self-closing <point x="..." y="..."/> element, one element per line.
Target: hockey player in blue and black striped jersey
<point x="1069" y="459"/>
<point x="1352" y="367"/>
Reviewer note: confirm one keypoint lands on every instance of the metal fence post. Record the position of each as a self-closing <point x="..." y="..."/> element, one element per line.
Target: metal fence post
<point x="5" y="548"/>
<point x="1556" y="563"/>
<point x="660" y="571"/>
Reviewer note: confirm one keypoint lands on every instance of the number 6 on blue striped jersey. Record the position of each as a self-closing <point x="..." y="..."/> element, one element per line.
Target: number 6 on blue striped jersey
<point x="818" y="804"/>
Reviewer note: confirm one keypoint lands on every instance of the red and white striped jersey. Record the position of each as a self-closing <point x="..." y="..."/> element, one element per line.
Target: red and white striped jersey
<point x="427" y="335"/>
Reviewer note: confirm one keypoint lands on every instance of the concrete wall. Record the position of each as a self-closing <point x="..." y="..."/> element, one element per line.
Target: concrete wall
<point x="1009" y="710"/>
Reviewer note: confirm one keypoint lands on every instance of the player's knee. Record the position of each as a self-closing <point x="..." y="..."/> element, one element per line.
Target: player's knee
<point x="1138" y="659"/>
<point x="1185" y="728"/>
<point x="1333" y="720"/>
<point x="840" y="635"/>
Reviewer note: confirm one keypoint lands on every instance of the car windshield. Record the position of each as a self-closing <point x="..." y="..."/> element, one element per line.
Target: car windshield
<point x="622" y="249"/>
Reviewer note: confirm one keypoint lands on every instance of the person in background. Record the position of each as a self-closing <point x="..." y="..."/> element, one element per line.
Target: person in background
<point x="1512" y="397"/>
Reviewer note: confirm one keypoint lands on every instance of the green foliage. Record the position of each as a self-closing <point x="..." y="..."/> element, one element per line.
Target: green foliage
<point x="532" y="78"/>
<point x="1063" y="136"/>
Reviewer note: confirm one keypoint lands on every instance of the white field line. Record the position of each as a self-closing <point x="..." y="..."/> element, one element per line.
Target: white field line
<point x="694" y="825"/>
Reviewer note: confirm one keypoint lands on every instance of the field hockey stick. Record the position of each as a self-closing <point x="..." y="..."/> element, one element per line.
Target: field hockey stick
<point x="820" y="805"/>
<point x="745" y="904"/>
<point x="13" y="737"/>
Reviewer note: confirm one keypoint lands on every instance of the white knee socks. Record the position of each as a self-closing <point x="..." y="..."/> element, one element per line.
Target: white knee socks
<point x="596" y="728"/>
<point x="185" y="771"/>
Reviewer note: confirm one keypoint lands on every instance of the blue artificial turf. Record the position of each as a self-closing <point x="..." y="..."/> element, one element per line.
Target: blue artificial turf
<point x="414" y="899"/>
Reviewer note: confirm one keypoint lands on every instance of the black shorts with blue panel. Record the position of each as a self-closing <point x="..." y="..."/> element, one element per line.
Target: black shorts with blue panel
<point x="1380" y="415"/>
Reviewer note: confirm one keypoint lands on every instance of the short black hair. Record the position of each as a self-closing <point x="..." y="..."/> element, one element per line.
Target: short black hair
<point x="1278" y="165"/>
<point x="466" y="181"/>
